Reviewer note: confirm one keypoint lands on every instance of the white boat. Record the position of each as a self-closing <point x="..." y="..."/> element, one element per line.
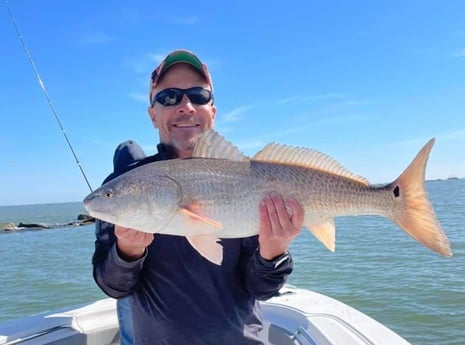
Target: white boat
<point x="296" y="316"/>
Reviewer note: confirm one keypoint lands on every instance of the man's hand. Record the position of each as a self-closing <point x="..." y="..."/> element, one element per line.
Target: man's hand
<point x="280" y="222"/>
<point x="131" y="243"/>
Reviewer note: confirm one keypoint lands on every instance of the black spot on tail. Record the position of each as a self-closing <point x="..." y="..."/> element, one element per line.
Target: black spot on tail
<point x="396" y="192"/>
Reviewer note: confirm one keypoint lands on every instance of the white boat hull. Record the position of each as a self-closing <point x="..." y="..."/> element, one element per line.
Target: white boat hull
<point x="295" y="317"/>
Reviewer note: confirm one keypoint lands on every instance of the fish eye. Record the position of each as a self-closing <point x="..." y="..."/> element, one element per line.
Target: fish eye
<point x="108" y="194"/>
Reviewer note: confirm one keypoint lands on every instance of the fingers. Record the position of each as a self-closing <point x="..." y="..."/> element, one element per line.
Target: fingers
<point x="280" y="222"/>
<point x="277" y="214"/>
<point x="131" y="243"/>
<point x="269" y="215"/>
<point x="297" y="213"/>
<point x="133" y="237"/>
<point x="265" y="223"/>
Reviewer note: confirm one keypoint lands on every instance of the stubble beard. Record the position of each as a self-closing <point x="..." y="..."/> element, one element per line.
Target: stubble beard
<point x="185" y="145"/>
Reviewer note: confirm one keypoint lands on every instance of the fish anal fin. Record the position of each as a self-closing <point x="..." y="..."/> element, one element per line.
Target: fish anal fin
<point x="208" y="247"/>
<point x="305" y="158"/>
<point x="325" y="233"/>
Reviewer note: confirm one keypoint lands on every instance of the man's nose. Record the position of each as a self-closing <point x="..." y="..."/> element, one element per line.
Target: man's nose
<point x="186" y="105"/>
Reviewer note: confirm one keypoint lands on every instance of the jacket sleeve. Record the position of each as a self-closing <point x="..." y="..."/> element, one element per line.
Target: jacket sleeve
<point x="115" y="276"/>
<point x="263" y="279"/>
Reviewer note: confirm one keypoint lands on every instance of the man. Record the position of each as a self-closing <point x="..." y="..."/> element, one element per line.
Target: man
<point x="176" y="295"/>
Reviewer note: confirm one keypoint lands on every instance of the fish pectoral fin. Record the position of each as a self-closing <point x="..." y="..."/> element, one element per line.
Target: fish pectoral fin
<point x="191" y="215"/>
<point x="208" y="247"/>
<point x="325" y="233"/>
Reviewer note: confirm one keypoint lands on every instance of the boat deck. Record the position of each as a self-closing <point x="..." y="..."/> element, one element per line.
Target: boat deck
<point x="296" y="317"/>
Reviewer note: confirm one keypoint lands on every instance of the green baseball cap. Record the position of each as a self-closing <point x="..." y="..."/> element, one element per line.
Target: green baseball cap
<point x="179" y="56"/>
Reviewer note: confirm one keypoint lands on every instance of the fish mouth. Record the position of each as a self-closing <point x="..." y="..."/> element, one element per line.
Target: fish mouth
<point x="87" y="201"/>
<point x="93" y="204"/>
<point x="98" y="213"/>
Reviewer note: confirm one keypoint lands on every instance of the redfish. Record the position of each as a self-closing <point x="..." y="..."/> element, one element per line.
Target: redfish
<point x="216" y="194"/>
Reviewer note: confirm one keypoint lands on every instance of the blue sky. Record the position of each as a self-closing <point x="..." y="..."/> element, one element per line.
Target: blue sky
<point x="367" y="82"/>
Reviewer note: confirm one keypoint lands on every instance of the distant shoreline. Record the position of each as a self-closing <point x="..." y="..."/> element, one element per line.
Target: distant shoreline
<point x="81" y="220"/>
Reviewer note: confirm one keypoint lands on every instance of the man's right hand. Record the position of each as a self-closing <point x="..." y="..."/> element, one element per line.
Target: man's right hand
<point x="131" y="243"/>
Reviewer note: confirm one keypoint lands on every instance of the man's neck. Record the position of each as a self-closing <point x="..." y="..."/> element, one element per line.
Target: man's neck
<point x="168" y="150"/>
<point x="183" y="154"/>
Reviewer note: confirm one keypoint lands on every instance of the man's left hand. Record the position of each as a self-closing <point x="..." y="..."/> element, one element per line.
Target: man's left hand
<point x="280" y="222"/>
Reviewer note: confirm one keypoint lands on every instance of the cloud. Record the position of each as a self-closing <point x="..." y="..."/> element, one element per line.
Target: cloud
<point x="455" y="134"/>
<point x="460" y="54"/>
<point x="348" y="118"/>
<point x="157" y="58"/>
<point x="145" y="63"/>
<point x="251" y="147"/>
<point x="234" y="115"/>
<point x="284" y="132"/>
<point x="94" y="38"/>
<point x="139" y="97"/>
<point x="295" y="99"/>
<point x="189" y="20"/>
<point x="337" y="99"/>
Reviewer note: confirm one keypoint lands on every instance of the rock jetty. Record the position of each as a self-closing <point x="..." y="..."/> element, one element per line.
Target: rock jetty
<point x="82" y="219"/>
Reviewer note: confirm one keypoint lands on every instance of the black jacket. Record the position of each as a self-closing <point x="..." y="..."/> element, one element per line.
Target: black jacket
<point x="177" y="296"/>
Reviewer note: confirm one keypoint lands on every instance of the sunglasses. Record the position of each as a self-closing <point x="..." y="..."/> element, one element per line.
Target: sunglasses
<point x="173" y="96"/>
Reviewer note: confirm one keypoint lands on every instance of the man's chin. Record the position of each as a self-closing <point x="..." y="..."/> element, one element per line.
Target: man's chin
<point x="186" y="144"/>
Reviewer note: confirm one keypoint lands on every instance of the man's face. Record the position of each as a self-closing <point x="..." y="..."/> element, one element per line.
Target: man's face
<point x="180" y="125"/>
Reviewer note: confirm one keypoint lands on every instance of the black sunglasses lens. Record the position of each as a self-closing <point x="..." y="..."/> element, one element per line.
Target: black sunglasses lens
<point x="169" y="97"/>
<point x="199" y="95"/>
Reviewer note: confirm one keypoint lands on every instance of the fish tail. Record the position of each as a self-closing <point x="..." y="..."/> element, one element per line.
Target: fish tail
<point x="414" y="213"/>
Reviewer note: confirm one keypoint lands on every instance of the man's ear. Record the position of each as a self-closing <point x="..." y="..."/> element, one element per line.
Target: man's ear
<point x="153" y="116"/>
<point x="213" y="111"/>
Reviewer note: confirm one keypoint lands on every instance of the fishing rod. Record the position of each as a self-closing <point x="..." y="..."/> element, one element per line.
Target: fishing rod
<point x="44" y="90"/>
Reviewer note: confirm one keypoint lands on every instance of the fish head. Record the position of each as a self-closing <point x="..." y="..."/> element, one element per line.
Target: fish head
<point x="136" y="201"/>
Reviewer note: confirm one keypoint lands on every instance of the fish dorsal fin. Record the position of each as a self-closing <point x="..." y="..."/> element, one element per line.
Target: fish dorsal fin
<point x="304" y="157"/>
<point x="213" y="145"/>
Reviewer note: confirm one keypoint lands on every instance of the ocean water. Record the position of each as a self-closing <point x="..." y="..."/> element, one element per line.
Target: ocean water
<point x="376" y="268"/>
